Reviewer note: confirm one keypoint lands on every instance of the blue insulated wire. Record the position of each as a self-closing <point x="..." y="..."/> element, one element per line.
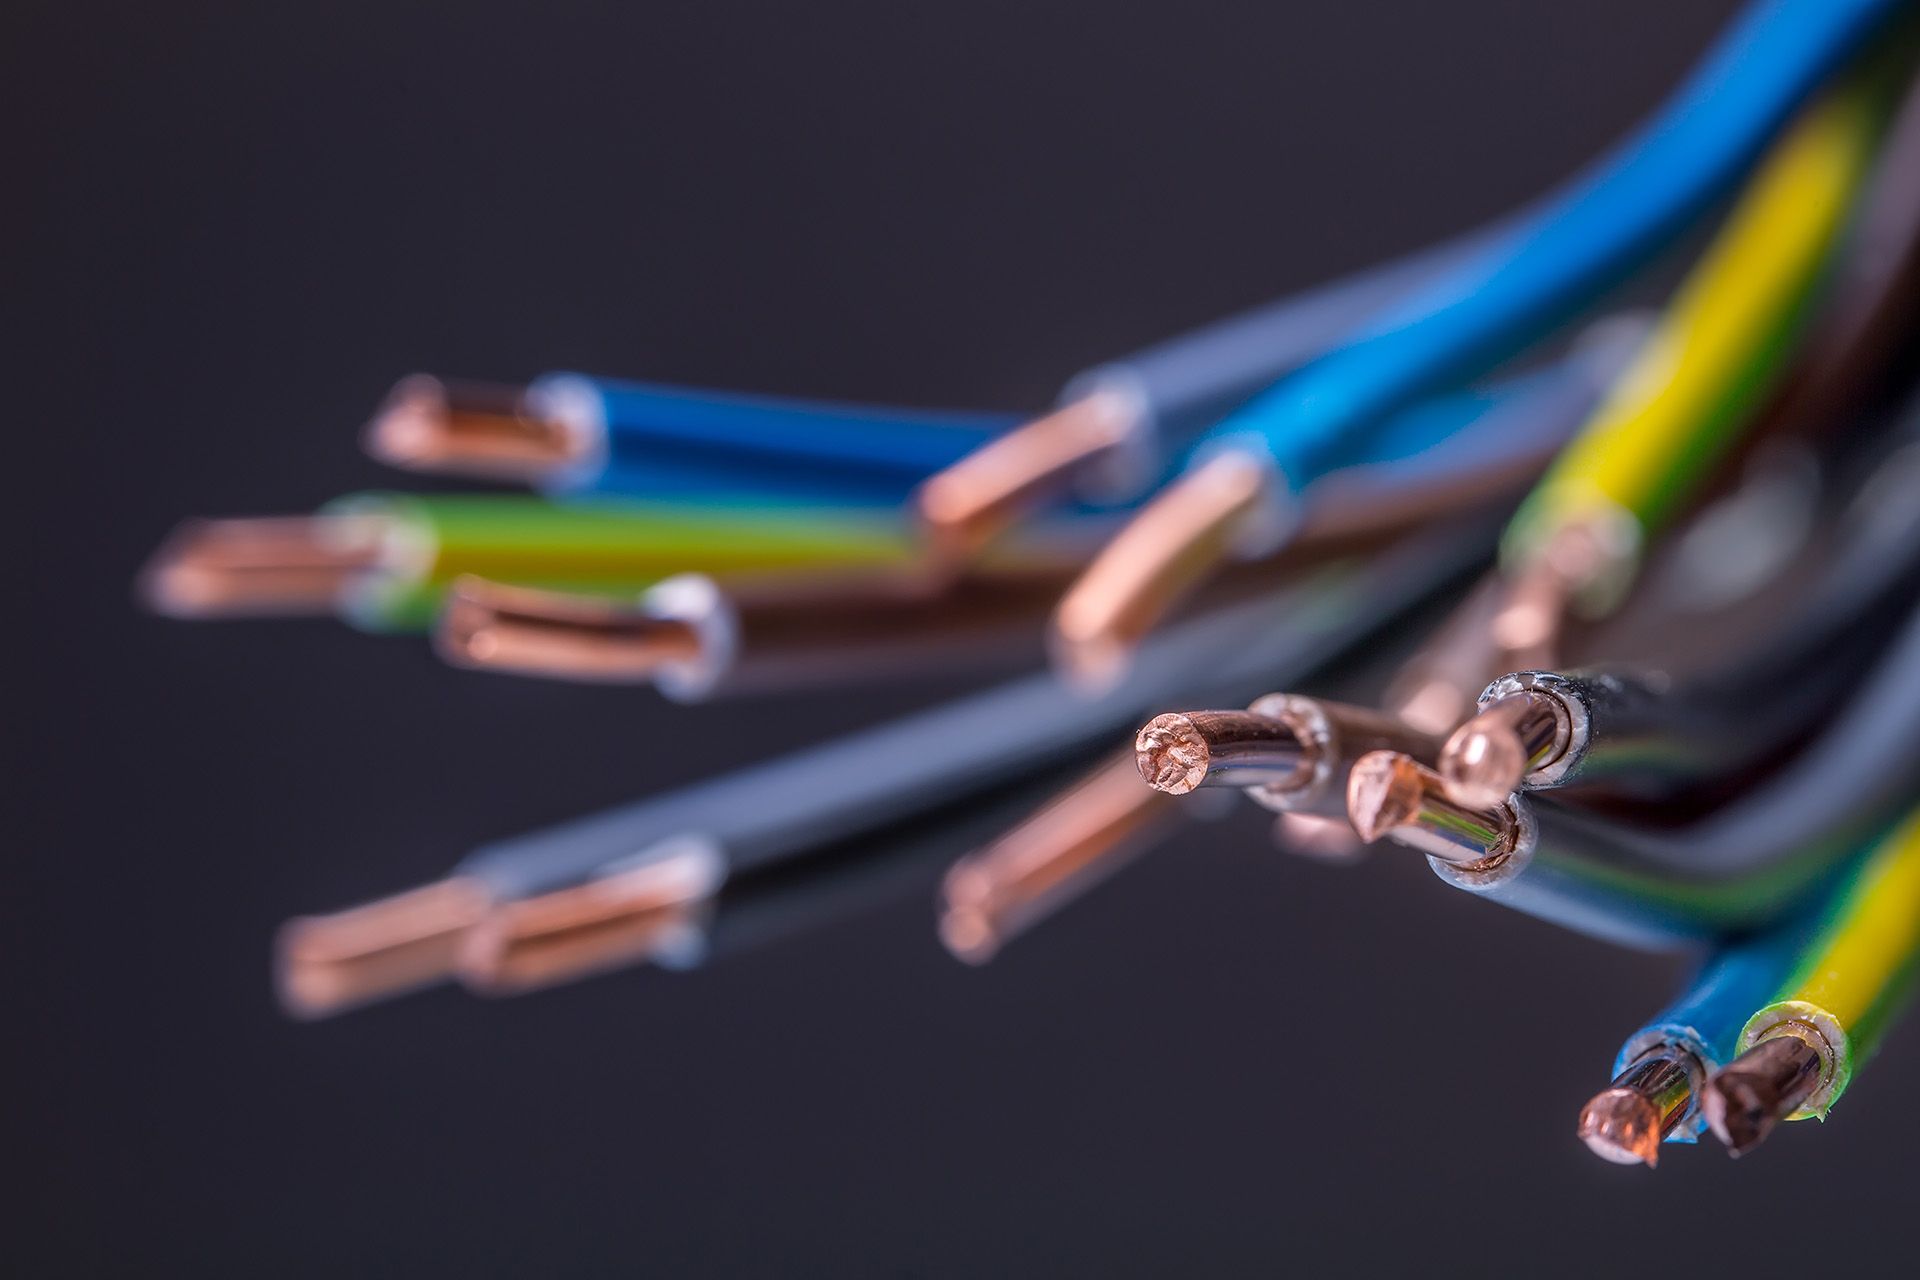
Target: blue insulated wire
<point x="1598" y="229"/>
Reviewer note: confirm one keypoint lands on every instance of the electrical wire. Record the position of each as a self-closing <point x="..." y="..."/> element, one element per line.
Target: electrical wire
<point x="1799" y="1052"/>
<point x="1601" y="227"/>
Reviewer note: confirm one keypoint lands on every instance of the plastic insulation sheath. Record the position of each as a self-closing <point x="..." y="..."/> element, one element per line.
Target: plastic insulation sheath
<point x="1722" y="341"/>
<point x="1601" y="227"/>
<point x="664" y="440"/>
<point x="771" y="811"/>
<point x="1743" y="867"/>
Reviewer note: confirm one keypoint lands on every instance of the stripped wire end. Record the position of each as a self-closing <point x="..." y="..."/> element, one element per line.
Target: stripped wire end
<point x="1490" y="756"/>
<point x="488" y="626"/>
<point x="264" y="567"/>
<point x="328" y="964"/>
<point x="1172" y="546"/>
<point x="1751" y="1095"/>
<point x="1075" y="841"/>
<point x="469" y="428"/>
<point x="1393" y="795"/>
<point x="1627" y="1122"/>
<point x="625" y="918"/>
<point x="965" y="507"/>
<point x="1184" y="750"/>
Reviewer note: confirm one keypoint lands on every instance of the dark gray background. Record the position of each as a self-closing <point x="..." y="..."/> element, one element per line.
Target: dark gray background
<point x="234" y="224"/>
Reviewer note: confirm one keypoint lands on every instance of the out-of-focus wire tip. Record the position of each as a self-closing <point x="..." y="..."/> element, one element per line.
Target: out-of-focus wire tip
<point x="1084" y="834"/>
<point x="1329" y="840"/>
<point x="1622" y="1126"/>
<point x="328" y="964"/>
<point x="965" y="507"/>
<point x="490" y="626"/>
<point x="426" y="424"/>
<point x="618" y="920"/>
<point x="1169" y="548"/>
<point x="272" y="565"/>
<point x="1748" y="1098"/>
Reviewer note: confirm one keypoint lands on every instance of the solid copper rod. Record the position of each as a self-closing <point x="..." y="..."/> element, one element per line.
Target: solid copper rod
<point x="1751" y="1095"/>
<point x="260" y="565"/>
<point x="327" y="964"/>
<point x="555" y="633"/>
<point x="1389" y="794"/>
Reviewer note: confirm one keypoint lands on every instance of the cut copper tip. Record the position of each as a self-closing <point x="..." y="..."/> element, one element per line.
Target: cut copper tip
<point x="1076" y="840"/>
<point x="558" y="634"/>
<point x="610" y="923"/>
<point x="1182" y="750"/>
<point x="327" y="964"/>
<point x="1646" y="1102"/>
<point x="1759" y="1089"/>
<point x="1384" y="792"/>
<point x="979" y="497"/>
<point x="471" y="428"/>
<point x="1621" y="1126"/>
<point x="260" y="567"/>
<point x="1391" y="794"/>
<point x="1169" y="548"/>
<point x="1489" y="756"/>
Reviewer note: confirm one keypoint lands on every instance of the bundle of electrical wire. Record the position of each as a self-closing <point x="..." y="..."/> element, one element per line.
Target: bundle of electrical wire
<point x="1623" y="612"/>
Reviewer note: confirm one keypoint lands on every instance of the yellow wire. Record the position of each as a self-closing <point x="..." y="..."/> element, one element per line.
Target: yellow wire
<point x="1698" y="376"/>
<point x="1844" y="987"/>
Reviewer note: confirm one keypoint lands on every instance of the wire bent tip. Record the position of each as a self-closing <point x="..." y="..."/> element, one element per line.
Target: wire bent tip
<point x="1622" y="1126"/>
<point x="426" y="424"/>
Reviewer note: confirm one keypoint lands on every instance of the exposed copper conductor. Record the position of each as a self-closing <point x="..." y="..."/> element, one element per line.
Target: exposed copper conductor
<point x="262" y="566"/>
<point x="1487" y="758"/>
<point x="1627" y="1122"/>
<point x="966" y="506"/>
<point x="328" y="964"/>
<point x="554" y="633"/>
<point x="471" y="428"/>
<point x="617" y="920"/>
<point x="1182" y="750"/>
<point x="1390" y="794"/>
<point x="1162" y="553"/>
<point x="1079" y="838"/>
<point x="1749" y="1096"/>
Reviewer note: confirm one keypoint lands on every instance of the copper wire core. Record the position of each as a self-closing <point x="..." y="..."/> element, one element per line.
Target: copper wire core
<point x="1763" y="1086"/>
<point x="1182" y="750"/>
<point x="979" y="497"/>
<point x="1165" y="551"/>
<point x="1627" y="1122"/>
<point x="528" y="631"/>
<point x="1390" y="794"/>
<point x="1489" y="756"/>
<point x="264" y="566"/>
<point x="470" y="428"/>
<point x="606" y="924"/>
<point x="331" y="963"/>
<point x="1436" y="689"/>
<point x="1081" y="837"/>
